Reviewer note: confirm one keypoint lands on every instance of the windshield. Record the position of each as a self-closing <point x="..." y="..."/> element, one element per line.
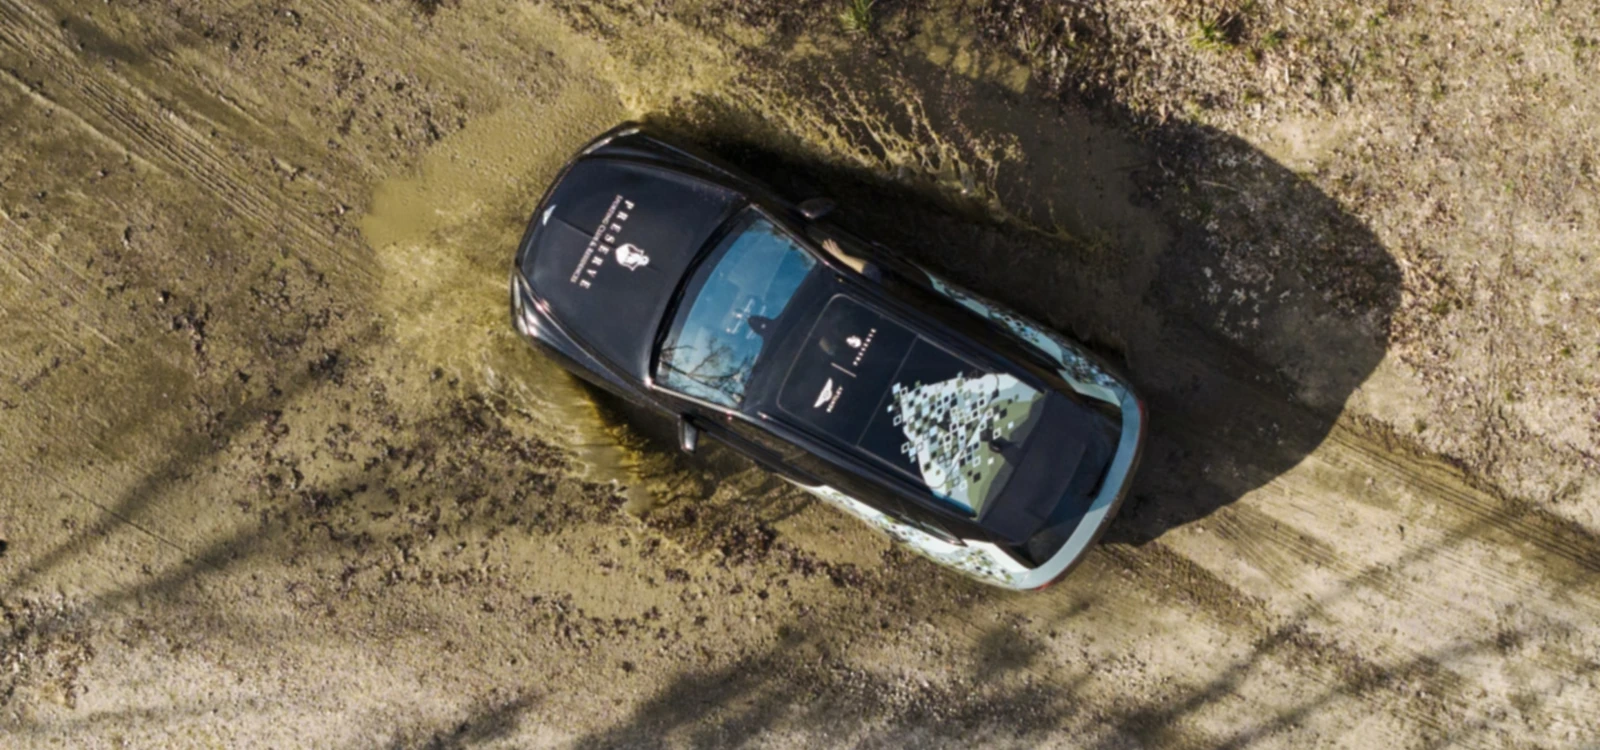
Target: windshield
<point x="731" y="304"/>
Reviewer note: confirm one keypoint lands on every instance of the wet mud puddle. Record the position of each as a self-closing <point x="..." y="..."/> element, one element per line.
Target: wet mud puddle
<point x="444" y="239"/>
<point x="443" y="236"/>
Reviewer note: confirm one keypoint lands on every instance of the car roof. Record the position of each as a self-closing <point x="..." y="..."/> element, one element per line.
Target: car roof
<point x="611" y="244"/>
<point x="973" y="434"/>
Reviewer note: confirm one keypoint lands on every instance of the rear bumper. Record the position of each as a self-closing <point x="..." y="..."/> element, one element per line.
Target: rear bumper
<point x="1091" y="378"/>
<point x="1103" y="509"/>
<point x="992" y="565"/>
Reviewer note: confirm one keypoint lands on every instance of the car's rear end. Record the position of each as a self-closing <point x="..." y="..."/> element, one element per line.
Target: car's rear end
<point x="1020" y="468"/>
<point x="1078" y="467"/>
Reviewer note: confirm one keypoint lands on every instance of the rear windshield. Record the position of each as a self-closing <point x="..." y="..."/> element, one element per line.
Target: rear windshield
<point x="730" y="308"/>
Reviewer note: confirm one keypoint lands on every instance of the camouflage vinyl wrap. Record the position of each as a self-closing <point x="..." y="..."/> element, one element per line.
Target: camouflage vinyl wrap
<point x="981" y="560"/>
<point x="994" y="401"/>
<point x="1072" y="364"/>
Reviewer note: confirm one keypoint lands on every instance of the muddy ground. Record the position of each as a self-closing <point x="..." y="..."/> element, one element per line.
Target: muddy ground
<point x="277" y="473"/>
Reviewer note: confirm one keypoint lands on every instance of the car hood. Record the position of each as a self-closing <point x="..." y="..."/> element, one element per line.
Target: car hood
<point x="610" y="245"/>
<point x="984" y="440"/>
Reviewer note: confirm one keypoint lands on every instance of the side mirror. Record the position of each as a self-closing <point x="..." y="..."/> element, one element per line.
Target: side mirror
<point x="688" y="435"/>
<point x="815" y="208"/>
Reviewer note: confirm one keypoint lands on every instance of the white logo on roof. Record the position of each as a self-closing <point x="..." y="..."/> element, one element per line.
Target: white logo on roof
<point x="827" y="393"/>
<point x="828" y="397"/>
<point x="860" y="345"/>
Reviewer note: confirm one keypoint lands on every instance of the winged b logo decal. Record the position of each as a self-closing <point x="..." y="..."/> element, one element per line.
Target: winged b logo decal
<point x="825" y="396"/>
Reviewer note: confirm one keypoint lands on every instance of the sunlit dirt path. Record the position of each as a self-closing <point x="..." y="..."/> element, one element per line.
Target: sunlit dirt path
<point x="278" y="474"/>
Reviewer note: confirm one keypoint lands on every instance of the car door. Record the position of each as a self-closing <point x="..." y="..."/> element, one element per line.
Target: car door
<point x="855" y="483"/>
<point x="754" y="443"/>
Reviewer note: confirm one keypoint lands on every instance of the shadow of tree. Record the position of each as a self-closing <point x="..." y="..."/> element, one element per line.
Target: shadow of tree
<point x="318" y="520"/>
<point x="1004" y="688"/>
<point x="494" y="721"/>
<point x="182" y="460"/>
<point x="795" y="688"/>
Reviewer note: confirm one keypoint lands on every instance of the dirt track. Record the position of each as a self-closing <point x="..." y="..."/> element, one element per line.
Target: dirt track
<point x="280" y="475"/>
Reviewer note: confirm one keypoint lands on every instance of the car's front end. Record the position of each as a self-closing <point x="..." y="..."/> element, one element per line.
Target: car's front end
<point x="606" y="247"/>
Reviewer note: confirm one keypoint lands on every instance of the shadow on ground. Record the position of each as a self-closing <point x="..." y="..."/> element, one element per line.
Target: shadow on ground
<point x="1013" y="696"/>
<point x="1244" y="303"/>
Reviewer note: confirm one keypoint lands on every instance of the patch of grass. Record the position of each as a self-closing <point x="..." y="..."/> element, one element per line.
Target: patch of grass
<point x="1272" y="42"/>
<point x="857" y="16"/>
<point x="1211" y="35"/>
<point x="1034" y="36"/>
<point x="1225" y="31"/>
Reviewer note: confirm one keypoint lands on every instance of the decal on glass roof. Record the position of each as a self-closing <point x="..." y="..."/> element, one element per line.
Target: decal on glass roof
<point x="935" y="417"/>
<point x="962" y="433"/>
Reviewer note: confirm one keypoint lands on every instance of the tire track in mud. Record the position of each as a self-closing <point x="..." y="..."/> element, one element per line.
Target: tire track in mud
<point x="1424" y="688"/>
<point x="1542" y="594"/>
<point x="1279" y="544"/>
<point x="1379" y="470"/>
<point x="1449" y="637"/>
<point x="157" y="133"/>
<point x="33" y="268"/>
<point x="1563" y="548"/>
<point x="153" y="129"/>
<point x="14" y="243"/>
<point x="1338" y="669"/>
<point x="1430" y="496"/>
